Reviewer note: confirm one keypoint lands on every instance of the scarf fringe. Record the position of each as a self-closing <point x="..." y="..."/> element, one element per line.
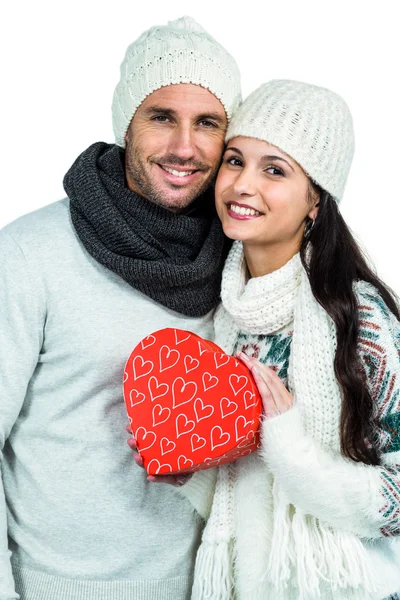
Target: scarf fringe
<point x="213" y="572"/>
<point x="307" y="553"/>
<point x="280" y="558"/>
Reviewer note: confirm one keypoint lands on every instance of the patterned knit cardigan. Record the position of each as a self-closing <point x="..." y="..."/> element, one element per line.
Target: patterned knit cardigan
<point x="379" y="349"/>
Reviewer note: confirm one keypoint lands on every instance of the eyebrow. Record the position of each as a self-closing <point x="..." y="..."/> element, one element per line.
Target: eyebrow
<point x="267" y="157"/>
<point x="152" y="110"/>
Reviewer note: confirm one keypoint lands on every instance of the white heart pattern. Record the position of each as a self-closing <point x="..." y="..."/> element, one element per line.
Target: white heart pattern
<point x="241" y="423"/>
<point x="202" y="411"/>
<point x="184" y="425"/>
<point x="183" y="392"/>
<point x="191" y="363"/>
<point x="184" y="463"/>
<point x="237" y="382"/>
<point x="201" y="350"/>
<point x="140" y="437"/>
<point x="248" y="397"/>
<point x="183" y="338"/>
<point x="247" y="441"/>
<point x="157" y="462"/>
<point x="219" y="437"/>
<point x="168" y="358"/>
<point x="157" y="389"/>
<point x="167" y="445"/>
<point x="148" y="341"/>
<point x="209" y="381"/>
<point x="228" y="407"/>
<point x="160" y="415"/>
<point x="139" y="398"/>
<point x="221" y="360"/>
<point x="197" y="442"/>
<point x="141" y="368"/>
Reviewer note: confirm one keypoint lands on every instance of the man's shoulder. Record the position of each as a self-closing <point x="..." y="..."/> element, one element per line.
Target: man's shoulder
<point x="40" y="226"/>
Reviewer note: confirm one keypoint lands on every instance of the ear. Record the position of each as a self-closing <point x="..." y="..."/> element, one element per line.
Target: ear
<point x="315" y="204"/>
<point x="314" y="211"/>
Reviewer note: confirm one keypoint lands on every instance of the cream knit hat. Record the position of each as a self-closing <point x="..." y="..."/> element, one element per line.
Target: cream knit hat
<point x="311" y="124"/>
<point x="180" y="52"/>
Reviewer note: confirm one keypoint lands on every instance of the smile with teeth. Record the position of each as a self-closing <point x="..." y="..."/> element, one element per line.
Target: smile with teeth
<point x="241" y="210"/>
<point x="178" y="173"/>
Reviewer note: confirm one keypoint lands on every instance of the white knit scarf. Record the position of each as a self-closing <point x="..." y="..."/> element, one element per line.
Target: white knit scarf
<point x="290" y="555"/>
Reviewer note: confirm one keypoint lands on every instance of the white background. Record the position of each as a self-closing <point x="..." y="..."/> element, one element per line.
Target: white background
<point x="60" y="63"/>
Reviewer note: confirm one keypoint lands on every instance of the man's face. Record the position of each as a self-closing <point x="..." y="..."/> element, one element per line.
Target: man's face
<point x="174" y="145"/>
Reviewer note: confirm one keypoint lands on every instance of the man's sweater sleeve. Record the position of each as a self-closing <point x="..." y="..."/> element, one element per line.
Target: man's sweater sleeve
<point x="21" y="336"/>
<point x="347" y="495"/>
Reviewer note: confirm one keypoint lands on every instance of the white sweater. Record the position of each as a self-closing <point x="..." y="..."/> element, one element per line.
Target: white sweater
<point x="361" y="501"/>
<point x="78" y="515"/>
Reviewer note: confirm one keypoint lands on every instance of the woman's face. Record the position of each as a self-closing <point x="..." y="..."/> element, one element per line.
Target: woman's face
<point x="262" y="195"/>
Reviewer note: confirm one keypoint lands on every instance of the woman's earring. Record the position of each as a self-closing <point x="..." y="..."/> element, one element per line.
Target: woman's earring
<point x="308" y="227"/>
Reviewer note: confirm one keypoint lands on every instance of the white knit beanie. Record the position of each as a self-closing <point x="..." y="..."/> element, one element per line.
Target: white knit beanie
<point x="180" y="52"/>
<point x="311" y="124"/>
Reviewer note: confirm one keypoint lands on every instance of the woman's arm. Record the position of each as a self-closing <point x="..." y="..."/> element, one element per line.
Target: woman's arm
<point x="345" y="494"/>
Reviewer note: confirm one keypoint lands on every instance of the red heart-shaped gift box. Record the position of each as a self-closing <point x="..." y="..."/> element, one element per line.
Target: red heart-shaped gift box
<point x="191" y="406"/>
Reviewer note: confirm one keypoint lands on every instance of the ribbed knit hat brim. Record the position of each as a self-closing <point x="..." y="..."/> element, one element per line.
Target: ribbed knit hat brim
<point x="179" y="52"/>
<point x="311" y="124"/>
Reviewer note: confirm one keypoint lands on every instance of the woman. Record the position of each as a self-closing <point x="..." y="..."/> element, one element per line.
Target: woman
<point x="315" y="513"/>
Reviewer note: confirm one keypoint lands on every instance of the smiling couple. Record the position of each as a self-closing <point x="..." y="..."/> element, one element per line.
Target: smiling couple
<point x="144" y="241"/>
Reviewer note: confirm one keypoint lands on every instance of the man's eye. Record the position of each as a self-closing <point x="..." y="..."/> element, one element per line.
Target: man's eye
<point x="160" y="118"/>
<point x="208" y="124"/>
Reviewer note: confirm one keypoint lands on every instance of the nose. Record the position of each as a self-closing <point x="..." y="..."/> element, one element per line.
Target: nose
<point x="181" y="143"/>
<point x="244" y="184"/>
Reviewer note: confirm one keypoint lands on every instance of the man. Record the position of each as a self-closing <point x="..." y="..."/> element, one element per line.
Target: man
<point x="135" y="247"/>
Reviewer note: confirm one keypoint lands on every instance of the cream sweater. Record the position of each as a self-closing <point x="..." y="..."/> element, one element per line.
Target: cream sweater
<point x="358" y="503"/>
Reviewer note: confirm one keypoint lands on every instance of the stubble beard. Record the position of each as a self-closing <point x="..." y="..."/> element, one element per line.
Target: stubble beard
<point x="136" y="172"/>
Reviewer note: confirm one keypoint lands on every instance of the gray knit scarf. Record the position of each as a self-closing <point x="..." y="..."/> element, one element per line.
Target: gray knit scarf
<point x="175" y="259"/>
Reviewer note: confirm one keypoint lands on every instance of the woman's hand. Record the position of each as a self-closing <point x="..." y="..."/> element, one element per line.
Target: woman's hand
<point x="275" y="397"/>
<point x="176" y="480"/>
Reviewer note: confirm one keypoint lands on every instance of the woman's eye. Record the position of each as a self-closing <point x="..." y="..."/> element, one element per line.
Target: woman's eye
<point x="275" y="171"/>
<point x="235" y="162"/>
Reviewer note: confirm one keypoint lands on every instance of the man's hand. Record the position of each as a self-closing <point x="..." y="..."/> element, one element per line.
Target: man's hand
<point x="176" y="480"/>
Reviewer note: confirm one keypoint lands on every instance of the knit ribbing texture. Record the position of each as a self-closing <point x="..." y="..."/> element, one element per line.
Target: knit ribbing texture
<point x="179" y="52"/>
<point x="246" y="300"/>
<point x="175" y="259"/>
<point x="311" y="124"/>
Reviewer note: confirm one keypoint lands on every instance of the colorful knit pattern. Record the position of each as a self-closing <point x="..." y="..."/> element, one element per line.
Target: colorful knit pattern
<point x="383" y="375"/>
<point x="383" y="380"/>
<point x="382" y="368"/>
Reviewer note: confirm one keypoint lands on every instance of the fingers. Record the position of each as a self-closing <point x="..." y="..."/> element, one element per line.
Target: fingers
<point x="275" y="397"/>
<point x="132" y="443"/>
<point x="269" y="404"/>
<point x="175" y="480"/>
<point x="138" y="460"/>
